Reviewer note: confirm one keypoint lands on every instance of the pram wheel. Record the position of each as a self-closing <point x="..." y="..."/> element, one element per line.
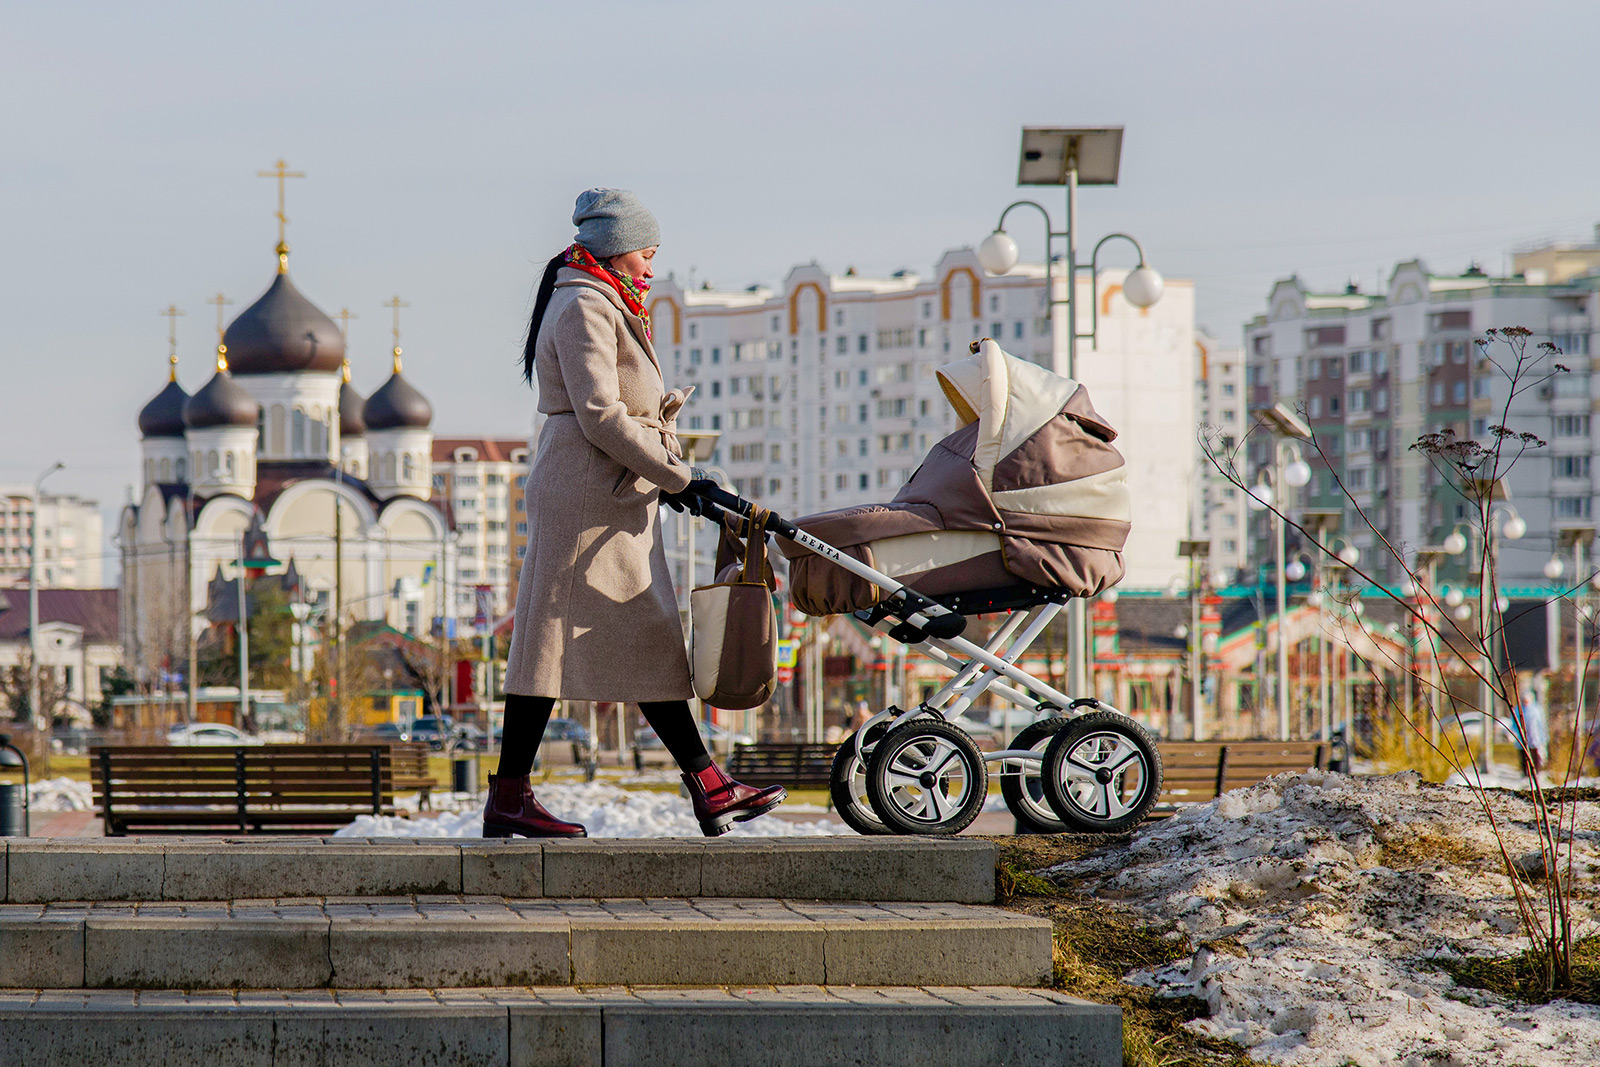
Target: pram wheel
<point x="1101" y="773"/>
<point x="927" y="777"/>
<point x="847" y="785"/>
<point x="1024" y="790"/>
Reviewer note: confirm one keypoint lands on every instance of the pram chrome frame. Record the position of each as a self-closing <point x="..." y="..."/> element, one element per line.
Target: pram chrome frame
<point x="931" y="628"/>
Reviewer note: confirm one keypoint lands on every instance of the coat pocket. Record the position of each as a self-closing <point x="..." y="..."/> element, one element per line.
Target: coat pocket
<point x="626" y="481"/>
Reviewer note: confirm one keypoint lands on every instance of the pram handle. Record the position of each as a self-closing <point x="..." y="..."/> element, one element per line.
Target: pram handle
<point x="919" y="611"/>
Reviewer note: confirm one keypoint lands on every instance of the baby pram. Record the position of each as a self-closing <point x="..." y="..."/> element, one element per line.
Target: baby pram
<point x="1021" y="509"/>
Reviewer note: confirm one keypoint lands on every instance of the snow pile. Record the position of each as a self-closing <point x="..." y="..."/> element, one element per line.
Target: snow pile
<point x="605" y="810"/>
<point x="1316" y="901"/>
<point x="60" y="794"/>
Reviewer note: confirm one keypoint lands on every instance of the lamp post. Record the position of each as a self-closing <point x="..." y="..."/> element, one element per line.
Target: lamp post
<point x="1290" y="470"/>
<point x="1512" y="529"/>
<point x="1428" y="558"/>
<point x="1579" y="536"/>
<point x="41" y="720"/>
<point x="1198" y="553"/>
<point x="1070" y="157"/>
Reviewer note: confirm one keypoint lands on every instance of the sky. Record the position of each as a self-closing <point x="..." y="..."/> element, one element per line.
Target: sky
<point x="444" y="144"/>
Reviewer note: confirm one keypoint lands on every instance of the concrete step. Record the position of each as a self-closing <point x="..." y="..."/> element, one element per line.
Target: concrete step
<point x="423" y="942"/>
<point x="197" y="869"/>
<point x="775" y="1026"/>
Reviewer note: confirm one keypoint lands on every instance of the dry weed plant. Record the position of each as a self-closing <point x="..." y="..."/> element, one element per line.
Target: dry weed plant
<point x="1474" y="470"/>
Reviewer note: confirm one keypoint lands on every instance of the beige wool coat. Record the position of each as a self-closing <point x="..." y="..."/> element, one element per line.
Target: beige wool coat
<point x="596" y="617"/>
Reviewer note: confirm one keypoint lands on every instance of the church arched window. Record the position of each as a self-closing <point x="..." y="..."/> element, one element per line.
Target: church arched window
<point x="299" y="423"/>
<point x="211" y="461"/>
<point x="149" y="470"/>
<point x="181" y="469"/>
<point x="388" y="466"/>
<point x="276" y="428"/>
<point x="166" y="470"/>
<point x="227" y="464"/>
<point x="406" y="465"/>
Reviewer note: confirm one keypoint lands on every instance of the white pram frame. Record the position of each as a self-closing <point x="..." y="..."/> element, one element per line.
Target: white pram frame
<point x="1081" y="766"/>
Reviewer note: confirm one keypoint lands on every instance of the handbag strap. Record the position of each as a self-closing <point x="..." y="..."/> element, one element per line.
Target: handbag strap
<point x="755" y="551"/>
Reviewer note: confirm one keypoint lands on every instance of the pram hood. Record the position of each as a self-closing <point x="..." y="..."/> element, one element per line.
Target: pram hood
<point x="1029" y="491"/>
<point x="1041" y="448"/>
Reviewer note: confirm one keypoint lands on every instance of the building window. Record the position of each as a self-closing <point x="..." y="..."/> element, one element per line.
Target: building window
<point x="861" y="343"/>
<point x="1572" y="426"/>
<point x="1574" y="507"/>
<point x="1572" y="466"/>
<point x="407" y="467"/>
<point x="1314" y="407"/>
<point x="862" y="482"/>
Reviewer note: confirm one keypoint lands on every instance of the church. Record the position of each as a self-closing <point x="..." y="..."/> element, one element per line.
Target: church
<point x="278" y="437"/>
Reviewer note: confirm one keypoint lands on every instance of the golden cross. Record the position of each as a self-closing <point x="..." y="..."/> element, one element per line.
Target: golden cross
<point x="396" y="304"/>
<point x="171" y="314"/>
<point x="220" y="302"/>
<point x="345" y="315"/>
<point x="280" y="170"/>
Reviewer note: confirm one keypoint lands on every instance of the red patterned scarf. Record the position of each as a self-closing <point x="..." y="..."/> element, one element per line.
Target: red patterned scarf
<point x="632" y="290"/>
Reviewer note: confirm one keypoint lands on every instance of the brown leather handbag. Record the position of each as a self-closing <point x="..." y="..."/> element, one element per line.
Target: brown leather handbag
<point x="734" y="639"/>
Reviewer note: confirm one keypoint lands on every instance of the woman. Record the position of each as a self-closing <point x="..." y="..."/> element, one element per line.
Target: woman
<point x="596" y="616"/>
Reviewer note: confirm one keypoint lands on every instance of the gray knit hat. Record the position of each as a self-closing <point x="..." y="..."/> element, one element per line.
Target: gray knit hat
<point x="613" y="221"/>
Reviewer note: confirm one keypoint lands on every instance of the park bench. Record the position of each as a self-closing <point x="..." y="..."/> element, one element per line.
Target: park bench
<point x="1194" y="772"/>
<point x="212" y="789"/>
<point x="782" y="763"/>
<point x="409" y="760"/>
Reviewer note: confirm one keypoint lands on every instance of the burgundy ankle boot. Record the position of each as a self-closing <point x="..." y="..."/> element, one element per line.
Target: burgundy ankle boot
<point x="719" y="801"/>
<point x="513" y="810"/>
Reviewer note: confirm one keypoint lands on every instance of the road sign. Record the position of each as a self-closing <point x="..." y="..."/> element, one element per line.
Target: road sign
<point x="785" y="675"/>
<point x="788" y="653"/>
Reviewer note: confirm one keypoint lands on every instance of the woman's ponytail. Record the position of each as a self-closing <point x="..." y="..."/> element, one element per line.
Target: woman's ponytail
<point x="541" y="302"/>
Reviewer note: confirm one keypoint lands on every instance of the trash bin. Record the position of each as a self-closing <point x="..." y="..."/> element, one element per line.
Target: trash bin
<point x="12" y="798"/>
<point x="461" y="776"/>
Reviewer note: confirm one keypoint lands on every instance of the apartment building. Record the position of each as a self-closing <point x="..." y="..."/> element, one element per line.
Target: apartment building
<point x="1222" y="407"/>
<point x="481" y="478"/>
<point x="1373" y="372"/>
<point x="824" y="395"/>
<point x="71" y="540"/>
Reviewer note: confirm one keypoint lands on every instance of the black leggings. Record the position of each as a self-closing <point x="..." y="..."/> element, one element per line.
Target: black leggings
<point x="527" y="717"/>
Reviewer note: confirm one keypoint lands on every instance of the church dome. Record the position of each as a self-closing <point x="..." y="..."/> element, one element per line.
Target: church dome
<point x="283" y="333"/>
<point x="163" y="415"/>
<point x="397" y="406"/>
<point x="220" y="402"/>
<point x="352" y="422"/>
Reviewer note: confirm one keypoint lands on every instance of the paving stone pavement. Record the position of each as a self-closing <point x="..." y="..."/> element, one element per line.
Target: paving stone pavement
<point x="796" y="1025"/>
<point x="457" y="940"/>
<point x="199" y="869"/>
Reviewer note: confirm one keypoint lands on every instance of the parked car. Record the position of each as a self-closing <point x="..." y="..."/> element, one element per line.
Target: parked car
<point x="434" y="729"/>
<point x="209" y="733"/>
<point x="387" y="733"/>
<point x="469" y="738"/>
<point x="647" y="746"/>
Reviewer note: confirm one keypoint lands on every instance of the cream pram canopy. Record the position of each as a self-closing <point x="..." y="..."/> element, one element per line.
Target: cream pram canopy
<point x="1029" y="492"/>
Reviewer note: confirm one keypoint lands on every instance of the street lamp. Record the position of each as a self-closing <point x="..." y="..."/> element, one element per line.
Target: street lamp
<point x="1290" y="470"/>
<point x="1070" y="156"/>
<point x="41" y="720"/>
